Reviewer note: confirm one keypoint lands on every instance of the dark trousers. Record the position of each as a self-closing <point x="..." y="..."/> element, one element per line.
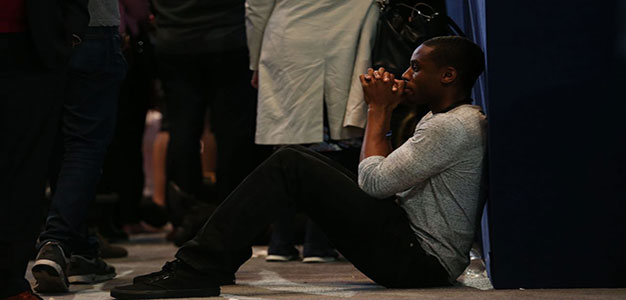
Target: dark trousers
<point x="30" y="103"/>
<point x="284" y="237"/>
<point x="373" y="234"/>
<point x="123" y="171"/>
<point x="97" y="68"/>
<point x="220" y="82"/>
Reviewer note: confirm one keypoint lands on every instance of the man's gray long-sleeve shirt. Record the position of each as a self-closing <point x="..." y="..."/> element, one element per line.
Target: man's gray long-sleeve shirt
<point x="436" y="176"/>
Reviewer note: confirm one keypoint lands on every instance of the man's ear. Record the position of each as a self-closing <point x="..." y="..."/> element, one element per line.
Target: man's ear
<point x="448" y="75"/>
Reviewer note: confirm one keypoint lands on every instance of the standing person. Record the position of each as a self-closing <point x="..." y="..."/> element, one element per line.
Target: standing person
<point x="67" y="253"/>
<point x="36" y="39"/>
<point x="122" y="172"/>
<point x="203" y="62"/>
<point x="305" y="56"/>
<point x="407" y="220"/>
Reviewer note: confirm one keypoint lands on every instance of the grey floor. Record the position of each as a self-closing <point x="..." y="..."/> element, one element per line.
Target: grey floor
<point x="260" y="280"/>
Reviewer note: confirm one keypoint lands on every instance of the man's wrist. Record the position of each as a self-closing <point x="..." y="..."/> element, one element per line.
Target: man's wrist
<point x="379" y="119"/>
<point x="380" y="109"/>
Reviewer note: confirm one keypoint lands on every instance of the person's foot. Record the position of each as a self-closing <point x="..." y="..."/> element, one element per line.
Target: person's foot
<point x="318" y="259"/>
<point x="112" y="232"/>
<point x="153" y="214"/>
<point x="178" y="280"/>
<point x="284" y="255"/>
<point x="25" y="295"/>
<point x="169" y="266"/>
<point x="50" y="269"/>
<point x="317" y="256"/>
<point x="110" y="251"/>
<point x="83" y="269"/>
<point x="280" y="257"/>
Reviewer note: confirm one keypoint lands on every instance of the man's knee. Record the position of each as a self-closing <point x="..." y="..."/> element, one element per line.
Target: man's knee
<point x="290" y="150"/>
<point x="287" y="153"/>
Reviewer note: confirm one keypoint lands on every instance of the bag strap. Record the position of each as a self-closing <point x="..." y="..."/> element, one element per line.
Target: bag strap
<point x="414" y="10"/>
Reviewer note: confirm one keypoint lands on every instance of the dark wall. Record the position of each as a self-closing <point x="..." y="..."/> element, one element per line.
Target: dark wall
<point x="557" y="117"/>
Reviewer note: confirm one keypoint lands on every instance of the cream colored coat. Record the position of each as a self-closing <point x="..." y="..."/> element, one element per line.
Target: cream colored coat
<point x="307" y="53"/>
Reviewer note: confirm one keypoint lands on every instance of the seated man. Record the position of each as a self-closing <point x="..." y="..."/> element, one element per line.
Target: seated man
<point x="409" y="219"/>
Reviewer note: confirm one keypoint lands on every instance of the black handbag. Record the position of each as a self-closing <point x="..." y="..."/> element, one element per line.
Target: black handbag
<point x="402" y="28"/>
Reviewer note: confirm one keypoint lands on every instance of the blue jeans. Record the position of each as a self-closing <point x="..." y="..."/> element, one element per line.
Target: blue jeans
<point x="96" y="71"/>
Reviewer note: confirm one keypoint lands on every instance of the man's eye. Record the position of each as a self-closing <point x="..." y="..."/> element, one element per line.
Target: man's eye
<point x="414" y="67"/>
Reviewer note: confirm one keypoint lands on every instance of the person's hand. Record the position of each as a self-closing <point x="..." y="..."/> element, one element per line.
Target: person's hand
<point x="255" y="79"/>
<point x="381" y="88"/>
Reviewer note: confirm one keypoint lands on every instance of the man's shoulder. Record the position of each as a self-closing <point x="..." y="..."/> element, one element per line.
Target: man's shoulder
<point x="468" y="117"/>
<point x="461" y="122"/>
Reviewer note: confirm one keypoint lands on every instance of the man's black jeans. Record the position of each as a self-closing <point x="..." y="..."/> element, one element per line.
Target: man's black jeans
<point x="97" y="68"/>
<point x="373" y="234"/>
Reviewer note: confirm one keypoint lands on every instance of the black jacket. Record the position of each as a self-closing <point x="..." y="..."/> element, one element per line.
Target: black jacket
<point x="52" y="23"/>
<point x="200" y="26"/>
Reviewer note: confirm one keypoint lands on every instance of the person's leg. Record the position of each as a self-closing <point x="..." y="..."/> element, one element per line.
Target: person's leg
<point x="209" y="155"/>
<point x="97" y="68"/>
<point x="233" y="119"/>
<point x="88" y="121"/>
<point x="316" y="248"/>
<point x="282" y="240"/>
<point x="186" y="106"/>
<point x="29" y="110"/>
<point x="123" y="165"/>
<point x="159" y="152"/>
<point x="374" y="234"/>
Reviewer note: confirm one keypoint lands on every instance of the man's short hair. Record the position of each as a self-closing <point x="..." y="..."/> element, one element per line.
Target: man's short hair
<point x="462" y="54"/>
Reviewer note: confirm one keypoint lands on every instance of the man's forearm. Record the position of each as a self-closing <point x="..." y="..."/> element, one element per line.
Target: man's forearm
<point x="375" y="141"/>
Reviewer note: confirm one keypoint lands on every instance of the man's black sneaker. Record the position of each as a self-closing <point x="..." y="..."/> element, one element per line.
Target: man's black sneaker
<point x="50" y="268"/>
<point x="223" y="280"/>
<point x="178" y="280"/>
<point x="83" y="269"/>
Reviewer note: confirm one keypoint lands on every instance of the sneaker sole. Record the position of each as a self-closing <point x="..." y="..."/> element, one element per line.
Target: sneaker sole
<point x="279" y="258"/>
<point x="317" y="260"/>
<point x="221" y="282"/>
<point x="90" y="278"/>
<point x="130" y="294"/>
<point x="50" y="277"/>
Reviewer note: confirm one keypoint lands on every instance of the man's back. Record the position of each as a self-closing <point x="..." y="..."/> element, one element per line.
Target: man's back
<point x="197" y="26"/>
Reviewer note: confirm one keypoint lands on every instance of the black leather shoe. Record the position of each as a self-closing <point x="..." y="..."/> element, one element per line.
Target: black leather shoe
<point x="176" y="281"/>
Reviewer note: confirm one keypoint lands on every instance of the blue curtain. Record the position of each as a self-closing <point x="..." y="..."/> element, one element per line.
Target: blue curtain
<point x="470" y="15"/>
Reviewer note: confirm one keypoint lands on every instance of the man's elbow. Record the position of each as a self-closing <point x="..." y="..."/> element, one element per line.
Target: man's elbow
<point x="374" y="191"/>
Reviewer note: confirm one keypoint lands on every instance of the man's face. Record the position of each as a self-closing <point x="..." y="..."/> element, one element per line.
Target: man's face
<point x="422" y="78"/>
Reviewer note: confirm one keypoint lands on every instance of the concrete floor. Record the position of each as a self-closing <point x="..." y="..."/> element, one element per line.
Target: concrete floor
<point x="260" y="280"/>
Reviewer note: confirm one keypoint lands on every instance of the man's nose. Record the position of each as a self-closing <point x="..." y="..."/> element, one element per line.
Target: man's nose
<point x="407" y="74"/>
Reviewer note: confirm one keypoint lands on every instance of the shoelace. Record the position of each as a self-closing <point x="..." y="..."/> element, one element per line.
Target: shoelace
<point x="168" y="267"/>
